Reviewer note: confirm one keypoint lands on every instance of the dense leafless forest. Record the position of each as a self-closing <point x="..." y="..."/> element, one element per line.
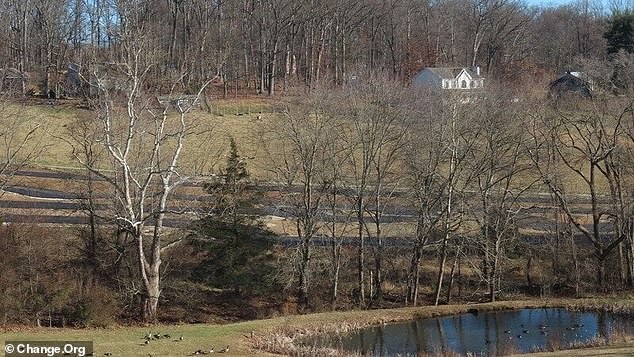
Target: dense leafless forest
<point x="269" y="46"/>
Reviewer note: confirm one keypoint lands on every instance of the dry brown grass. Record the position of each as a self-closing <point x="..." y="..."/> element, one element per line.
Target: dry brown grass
<point x="594" y="348"/>
<point x="208" y="144"/>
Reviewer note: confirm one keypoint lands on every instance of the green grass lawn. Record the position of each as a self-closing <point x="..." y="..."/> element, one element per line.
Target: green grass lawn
<point x="128" y="341"/>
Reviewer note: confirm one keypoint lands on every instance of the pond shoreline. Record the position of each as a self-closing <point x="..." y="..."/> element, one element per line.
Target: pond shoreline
<point x="276" y="336"/>
<point x="286" y="339"/>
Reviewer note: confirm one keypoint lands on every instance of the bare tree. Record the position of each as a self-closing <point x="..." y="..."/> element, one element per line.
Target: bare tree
<point x="589" y="146"/>
<point x="339" y="220"/>
<point x="622" y="191"/>
<point x="274" y="20"/>
<point x="20" y="142"/>
<point x="20" y="29"/>
<point x="456" y="145"/>
<point x="378" y="118"/>
<point x="434" y="164"/>
<point x="496" y="166"/>
<point x="298" y="148"/>
<point x="143" y="137"/>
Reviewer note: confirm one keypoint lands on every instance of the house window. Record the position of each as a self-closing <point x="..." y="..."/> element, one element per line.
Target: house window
<point x="463" y="84"/>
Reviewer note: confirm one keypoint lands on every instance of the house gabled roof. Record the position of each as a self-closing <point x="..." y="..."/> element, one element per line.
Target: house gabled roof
<point x="579" y="78"/>
<point x="452" y="72"/>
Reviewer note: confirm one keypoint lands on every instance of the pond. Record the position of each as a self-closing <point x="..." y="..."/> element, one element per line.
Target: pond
<point x="484" y="333"/>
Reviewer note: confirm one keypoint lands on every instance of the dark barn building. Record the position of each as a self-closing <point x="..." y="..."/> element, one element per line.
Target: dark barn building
<point x="570" y="83"/>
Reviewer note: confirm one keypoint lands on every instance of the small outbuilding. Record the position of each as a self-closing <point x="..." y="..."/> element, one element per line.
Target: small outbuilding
<point x="11" y="80"/>
<point x="571" y="83"/>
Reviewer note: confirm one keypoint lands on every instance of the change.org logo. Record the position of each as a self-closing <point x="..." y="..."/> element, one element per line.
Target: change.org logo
<point x="48" y="348"/>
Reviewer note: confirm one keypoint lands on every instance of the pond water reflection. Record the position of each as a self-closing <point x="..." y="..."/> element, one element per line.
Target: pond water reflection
<point x="485" y="333"/>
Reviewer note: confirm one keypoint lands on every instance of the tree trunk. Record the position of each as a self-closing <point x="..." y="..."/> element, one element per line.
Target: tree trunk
<point x="449" y="209"/>
<point x="336" y="247"/>
<point x="172" y="45"/>
<point x="303" y="277"/>
<point x="529" y="262"/>
<point x="24" y="40"/>
<point x="272" y="68"/>
<point x="601" y="276"/>
<point x="495" y="283"/>
<point x="414" y="272"/>
<point x="287" y="67"/>
<point x="150" y="277"/>
<point x="360" y="256"/>
<point x="150" y="274"/>
<point x="344" y="70"/>
<point x="622" y="264"/>
<point x="335" y="53"/>
<point x="151" y="299"/>
<point x="441" y="269"/>
<point x="378" y="252"/>
<point x="378" y="279"/>
<point x="320" y="52"/>
<point x="630" y="251"/>
<point x="452" y="274"/>
<point x="575" y="261"/>
<point x="336" y="268"/>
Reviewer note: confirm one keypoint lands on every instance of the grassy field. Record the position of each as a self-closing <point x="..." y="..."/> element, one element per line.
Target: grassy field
<point x="242" y="337"/>
<point x="208" y="141"/>
<point x="206" y="147"/>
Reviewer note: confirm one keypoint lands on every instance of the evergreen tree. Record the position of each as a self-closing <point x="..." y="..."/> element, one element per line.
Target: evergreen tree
<point x="620" y="33"/>
<point x="239" y="250"/>
<point x="233" y="190"/>
<point x="236" y="170"/>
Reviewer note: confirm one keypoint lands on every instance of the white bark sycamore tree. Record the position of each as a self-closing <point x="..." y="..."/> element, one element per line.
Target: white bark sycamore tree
<point x="143" y="138"/>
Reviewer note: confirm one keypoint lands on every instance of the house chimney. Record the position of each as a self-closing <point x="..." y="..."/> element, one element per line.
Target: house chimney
<point x="476" y="69"/>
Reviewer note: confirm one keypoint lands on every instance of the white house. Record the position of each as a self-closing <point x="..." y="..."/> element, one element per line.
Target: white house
<point x="461" y="78"/>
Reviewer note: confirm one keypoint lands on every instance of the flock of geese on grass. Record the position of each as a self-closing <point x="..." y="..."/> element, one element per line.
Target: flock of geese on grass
<point x="157" y="336"/>
<point x="543" y="329"/>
